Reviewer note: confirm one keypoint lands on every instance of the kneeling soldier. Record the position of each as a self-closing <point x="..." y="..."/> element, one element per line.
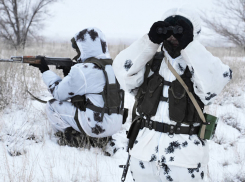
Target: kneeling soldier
<point x="96" y="106"/>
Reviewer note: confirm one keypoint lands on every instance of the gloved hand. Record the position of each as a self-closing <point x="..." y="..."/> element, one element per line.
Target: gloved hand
<point x="187" y="36"/>
<point x="66" y="69"/>
<point x="154" y="36"/>
<point x="43" y="66"/>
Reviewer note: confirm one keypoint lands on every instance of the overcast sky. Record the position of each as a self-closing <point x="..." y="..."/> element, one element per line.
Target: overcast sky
<point x="116" y="18"/>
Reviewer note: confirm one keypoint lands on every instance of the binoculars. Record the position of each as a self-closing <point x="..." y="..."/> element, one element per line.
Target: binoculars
<point x="175" y="29"/>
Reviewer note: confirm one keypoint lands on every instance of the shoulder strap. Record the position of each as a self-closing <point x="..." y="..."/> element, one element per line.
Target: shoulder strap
<point x="190" y="95"/>
<point x="102" y="63"/>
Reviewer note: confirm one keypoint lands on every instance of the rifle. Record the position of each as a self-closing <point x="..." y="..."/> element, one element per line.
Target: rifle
<point x="125" y="169"/>
<point x="60" y="63"/>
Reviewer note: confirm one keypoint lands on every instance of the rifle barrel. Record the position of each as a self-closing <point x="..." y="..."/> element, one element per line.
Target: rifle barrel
<point x="6" y="60"/>
<point x="58" y="62"/>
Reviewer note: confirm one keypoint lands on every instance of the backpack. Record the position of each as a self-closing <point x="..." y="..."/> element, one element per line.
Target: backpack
<point x="112" y="95"/>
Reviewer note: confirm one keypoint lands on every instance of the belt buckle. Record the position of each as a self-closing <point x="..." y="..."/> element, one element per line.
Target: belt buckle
<point x="146" y="123"/>
<point x="178" y="128"/>
<point x="171" y="131"/>
<point x="109" y="111"/>
<point x="191" y="130"/>
<point x="150" y="124"/>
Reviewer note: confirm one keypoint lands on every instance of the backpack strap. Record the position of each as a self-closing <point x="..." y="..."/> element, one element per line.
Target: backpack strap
<point x="102" y="63"/>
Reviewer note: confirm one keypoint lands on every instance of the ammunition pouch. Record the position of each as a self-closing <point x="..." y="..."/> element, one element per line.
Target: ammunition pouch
<point x="177" y="102"/>
<point x="150" y="97"/>
<point x="184" y="105"/>
<point x="181" y="108"/>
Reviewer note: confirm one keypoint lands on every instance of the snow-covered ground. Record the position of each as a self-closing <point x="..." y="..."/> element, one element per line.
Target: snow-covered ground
<point x="29" y="149"/>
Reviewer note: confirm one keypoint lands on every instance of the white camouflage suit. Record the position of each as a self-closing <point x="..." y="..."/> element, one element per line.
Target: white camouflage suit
<point x="156" y="156"/>
<point x="83" y="79"/>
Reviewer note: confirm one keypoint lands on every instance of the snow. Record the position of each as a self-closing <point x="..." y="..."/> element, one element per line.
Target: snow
<point x="29" y="149"/>
<point x="26" y="133"/>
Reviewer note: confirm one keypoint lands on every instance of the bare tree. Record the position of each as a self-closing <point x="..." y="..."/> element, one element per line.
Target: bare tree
<point x="229" y="21"/>
<point x="21" y="19"/>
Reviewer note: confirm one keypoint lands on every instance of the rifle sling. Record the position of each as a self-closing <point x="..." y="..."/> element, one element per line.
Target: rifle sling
<point x="39" y="100"/>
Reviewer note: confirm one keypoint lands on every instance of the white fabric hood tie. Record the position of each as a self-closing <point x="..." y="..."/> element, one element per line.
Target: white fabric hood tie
<point x="92" y="43"/>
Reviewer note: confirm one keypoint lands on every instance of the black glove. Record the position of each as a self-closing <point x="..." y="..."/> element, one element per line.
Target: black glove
<point x="43" y="66"/>
<point x="187" y="36"/>
<point x="154" y="36"/>
<point x="66" y="69"/>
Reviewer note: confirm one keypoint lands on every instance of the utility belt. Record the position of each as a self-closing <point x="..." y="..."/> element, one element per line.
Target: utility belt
<point x="170" y="129"/>
<point x="140" y="123"/>
<point x="81" y="103"/>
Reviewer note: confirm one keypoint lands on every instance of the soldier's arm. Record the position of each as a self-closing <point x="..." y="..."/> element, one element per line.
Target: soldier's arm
<point x="73" y="84"/>
<point x="129" y="65"/>
<point x="209" y="74"/>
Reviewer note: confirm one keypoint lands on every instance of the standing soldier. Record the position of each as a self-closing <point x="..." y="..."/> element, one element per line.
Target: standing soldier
<point x="163" y="139"/>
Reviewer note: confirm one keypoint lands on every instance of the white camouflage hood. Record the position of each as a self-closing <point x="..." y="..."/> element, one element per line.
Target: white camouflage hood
<point x="191" y="15"/>
<point x="92" y="43"/>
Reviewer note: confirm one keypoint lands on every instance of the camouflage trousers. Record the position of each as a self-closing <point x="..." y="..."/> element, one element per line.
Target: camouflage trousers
<point x="153" y="172"/>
